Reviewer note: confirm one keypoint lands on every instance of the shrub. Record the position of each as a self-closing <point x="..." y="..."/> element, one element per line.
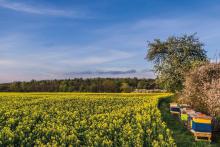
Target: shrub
<point x="202" y="89"/>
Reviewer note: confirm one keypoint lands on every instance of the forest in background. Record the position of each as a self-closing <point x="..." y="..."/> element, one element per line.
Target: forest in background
<point x="81" y="85"/>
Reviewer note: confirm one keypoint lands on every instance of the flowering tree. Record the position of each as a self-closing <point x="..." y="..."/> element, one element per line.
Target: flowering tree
<point x="202" y="89"/>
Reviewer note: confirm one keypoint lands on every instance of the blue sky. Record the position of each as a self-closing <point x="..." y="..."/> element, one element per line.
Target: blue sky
<point x="44" y="39"/>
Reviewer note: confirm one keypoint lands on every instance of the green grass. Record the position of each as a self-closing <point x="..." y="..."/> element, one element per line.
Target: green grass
<point x="181" y="135"/>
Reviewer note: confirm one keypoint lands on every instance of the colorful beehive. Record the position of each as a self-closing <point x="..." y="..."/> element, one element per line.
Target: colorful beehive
<point x="174" y="108"/>
<point x="184" y="108"/>
<point x="202" y="123"/>
<point x="201" y="126"/>
<point x="184" y="114"/>
<point x="190" y="114"/>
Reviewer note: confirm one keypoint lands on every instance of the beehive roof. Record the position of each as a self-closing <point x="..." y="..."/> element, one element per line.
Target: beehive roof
<point x="174" y="105"/>
<point x="203" y="116"/>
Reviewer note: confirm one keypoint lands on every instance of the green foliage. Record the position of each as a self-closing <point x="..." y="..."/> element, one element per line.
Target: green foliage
<point x="175" y="57"/>
<point x="53" y="119"/>
<point x="125" y="87"/>
<point x="79" y="85"/>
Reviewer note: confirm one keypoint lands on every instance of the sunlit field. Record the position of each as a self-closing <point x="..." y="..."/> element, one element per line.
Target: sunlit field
<point x="82" y="119"/>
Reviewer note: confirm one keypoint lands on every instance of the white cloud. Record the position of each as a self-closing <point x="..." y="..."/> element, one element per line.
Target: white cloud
<point x="111" y="55"/>
<point x="19" y="53"/>
<point x="21" y="7"/>
<point x="120" y="47"/>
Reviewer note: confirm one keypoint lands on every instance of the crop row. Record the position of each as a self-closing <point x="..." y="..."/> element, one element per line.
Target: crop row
<point x="82" y="120"/>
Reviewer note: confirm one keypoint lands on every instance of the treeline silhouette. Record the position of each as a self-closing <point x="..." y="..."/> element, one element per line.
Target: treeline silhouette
<point x="81" y="85"/>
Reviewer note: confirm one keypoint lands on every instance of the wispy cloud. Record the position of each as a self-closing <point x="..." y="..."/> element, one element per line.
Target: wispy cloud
<point x="110" y="73"/>
<point x="113" y="55"/>
<point x="22" y="7"/>
<point x="43" y="58"/>
<point x="115" y="47"/>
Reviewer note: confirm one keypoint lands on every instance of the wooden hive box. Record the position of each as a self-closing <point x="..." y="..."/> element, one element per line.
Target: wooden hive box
<point x="202" y="123"/>
<point x="201" y="136"/>
<point x="184" y="114"/>
<point x="174" y="108"/>
<point x="190" y="114"/>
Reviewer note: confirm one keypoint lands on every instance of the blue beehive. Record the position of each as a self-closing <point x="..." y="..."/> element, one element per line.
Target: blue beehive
<point x="202" y="123"/>
<point x="201" y="127"/>
<point x="190" y="117"/>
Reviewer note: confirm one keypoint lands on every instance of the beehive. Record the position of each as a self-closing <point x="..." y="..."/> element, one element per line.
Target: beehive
<point x="184" y="117"/>
<point x="202" y="123"/>
<point x="190" y="115"/>
<point x="185" y="112"/>
<point x="174" y="108"/>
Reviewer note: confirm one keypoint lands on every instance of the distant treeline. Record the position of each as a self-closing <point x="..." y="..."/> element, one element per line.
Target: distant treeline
<point x="81" y="85"/>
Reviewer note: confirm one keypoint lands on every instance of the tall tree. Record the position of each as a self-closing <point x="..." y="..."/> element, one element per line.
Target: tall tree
<point x="109" y="86"/>
<point x="125" y="87"/>
<point x="174" y="57"/>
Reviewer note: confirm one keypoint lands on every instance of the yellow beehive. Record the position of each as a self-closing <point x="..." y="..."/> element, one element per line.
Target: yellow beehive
<point x="190" y="114"/>
<point x="202" y="123"/>
<point x="202" y="118"/>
